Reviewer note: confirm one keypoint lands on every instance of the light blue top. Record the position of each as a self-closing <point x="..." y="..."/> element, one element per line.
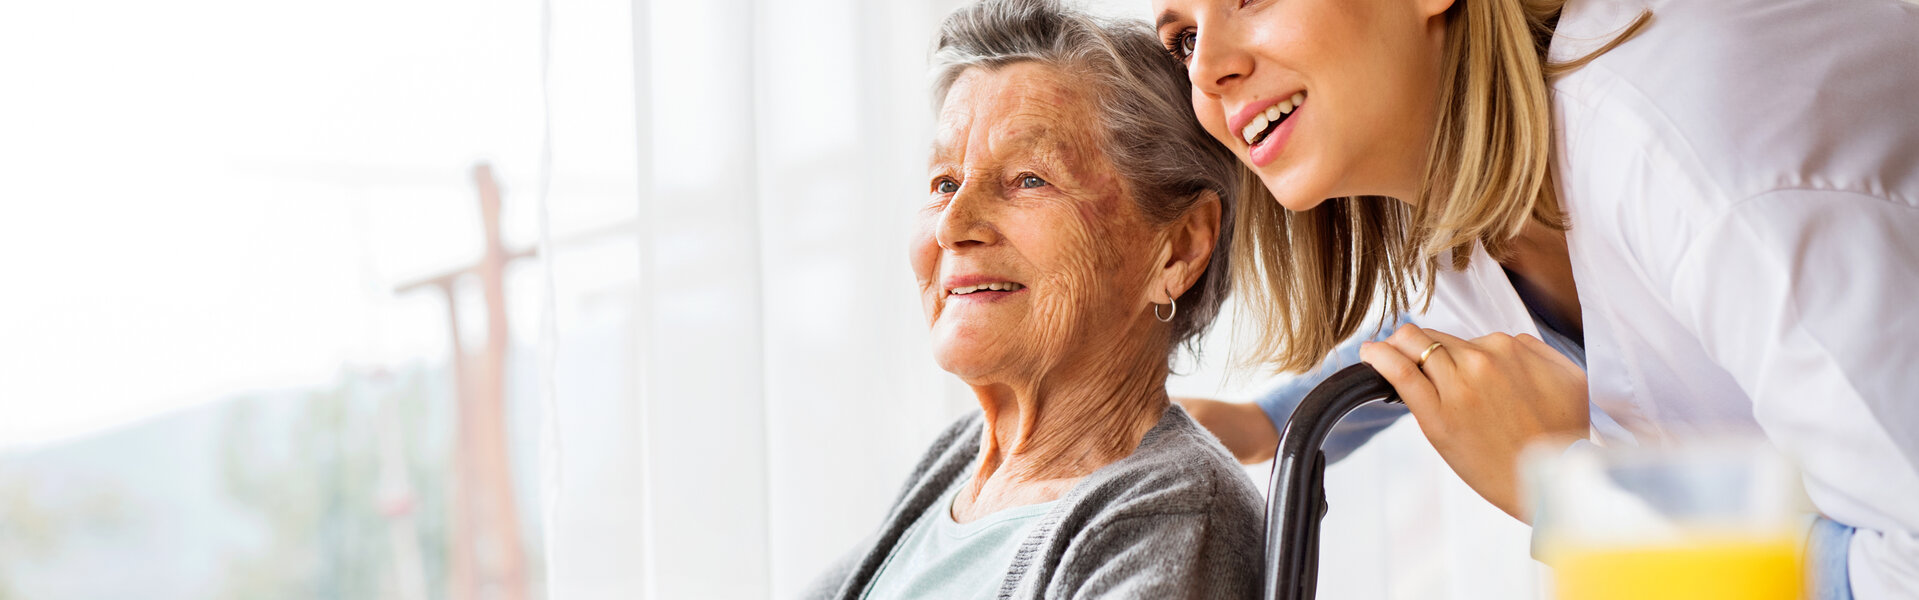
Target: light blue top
<point x="1177" y="518"/>
<point x="1359" y="426"/>
<point x="941" y="558"/>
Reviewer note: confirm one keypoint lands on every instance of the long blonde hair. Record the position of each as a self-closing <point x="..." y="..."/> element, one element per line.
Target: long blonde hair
<point x="1310" y="278"/>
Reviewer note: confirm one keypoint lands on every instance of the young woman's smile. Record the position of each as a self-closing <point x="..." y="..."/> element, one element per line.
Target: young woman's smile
<point x="1266" y="125"/>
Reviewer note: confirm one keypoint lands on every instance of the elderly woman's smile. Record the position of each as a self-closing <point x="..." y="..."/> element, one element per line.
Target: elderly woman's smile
<point x="990" y="290"/>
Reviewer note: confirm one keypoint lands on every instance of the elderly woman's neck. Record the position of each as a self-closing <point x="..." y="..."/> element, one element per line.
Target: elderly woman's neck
<point x="1067" y="424"/>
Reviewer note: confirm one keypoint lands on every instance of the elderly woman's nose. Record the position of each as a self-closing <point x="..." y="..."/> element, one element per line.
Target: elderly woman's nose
<point x="1217" y="63"/>
<point x="966" y="220"/>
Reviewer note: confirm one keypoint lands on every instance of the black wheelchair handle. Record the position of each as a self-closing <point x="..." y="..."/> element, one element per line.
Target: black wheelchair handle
<point x="1298" y="489"/>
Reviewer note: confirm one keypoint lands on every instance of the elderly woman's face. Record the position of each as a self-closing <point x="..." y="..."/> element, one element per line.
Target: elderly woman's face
<point x="1029" y="251"/>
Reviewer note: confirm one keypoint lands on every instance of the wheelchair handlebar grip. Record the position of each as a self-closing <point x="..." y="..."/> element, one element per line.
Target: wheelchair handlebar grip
<point x="1298" y="493"/>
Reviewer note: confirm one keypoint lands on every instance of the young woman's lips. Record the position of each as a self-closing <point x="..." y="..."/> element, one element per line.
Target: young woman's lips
<point x="1267" y="150"/>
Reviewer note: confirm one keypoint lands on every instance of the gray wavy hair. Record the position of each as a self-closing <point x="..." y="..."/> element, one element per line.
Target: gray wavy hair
<point x="1145" y="113"/>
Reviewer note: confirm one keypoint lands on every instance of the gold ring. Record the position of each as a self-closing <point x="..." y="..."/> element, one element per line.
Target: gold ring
<point x="1421" y="363"/>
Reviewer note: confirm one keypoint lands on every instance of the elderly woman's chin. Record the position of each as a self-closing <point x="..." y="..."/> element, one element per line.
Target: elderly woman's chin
<point x="973" y="353"/>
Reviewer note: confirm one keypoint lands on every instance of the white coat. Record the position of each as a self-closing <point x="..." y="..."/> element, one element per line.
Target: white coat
<point x="1742" y="180"/>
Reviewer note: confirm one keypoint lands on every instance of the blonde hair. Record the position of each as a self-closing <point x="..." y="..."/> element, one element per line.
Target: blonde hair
<point x="1310" y="278"/>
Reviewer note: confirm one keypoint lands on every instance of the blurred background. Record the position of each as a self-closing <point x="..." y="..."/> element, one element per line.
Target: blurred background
<point x="277" y="323"/>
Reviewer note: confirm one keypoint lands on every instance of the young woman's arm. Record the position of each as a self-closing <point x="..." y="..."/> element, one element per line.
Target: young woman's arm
<point x="1250" y="430"/>
<point x="1810" y="300"/>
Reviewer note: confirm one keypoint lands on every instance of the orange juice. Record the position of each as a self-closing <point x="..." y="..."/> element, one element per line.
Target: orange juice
<point x="1704" y="570"/>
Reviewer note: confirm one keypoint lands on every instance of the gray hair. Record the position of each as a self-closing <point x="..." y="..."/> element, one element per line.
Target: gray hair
<point x="1145" y="116"/>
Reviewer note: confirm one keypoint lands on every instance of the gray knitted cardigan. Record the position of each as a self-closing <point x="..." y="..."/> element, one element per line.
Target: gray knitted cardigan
<point x="1176" y="519"/>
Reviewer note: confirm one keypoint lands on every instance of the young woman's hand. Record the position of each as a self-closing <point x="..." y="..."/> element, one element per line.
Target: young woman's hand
<point x="1482" y="401"/>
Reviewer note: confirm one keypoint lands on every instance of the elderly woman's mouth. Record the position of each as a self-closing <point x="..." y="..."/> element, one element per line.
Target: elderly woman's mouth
<point x="1003" y="287"/>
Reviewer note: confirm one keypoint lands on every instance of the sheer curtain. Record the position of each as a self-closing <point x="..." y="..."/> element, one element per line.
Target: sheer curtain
<point x="782" y="385"/>
<point x="784" y="388"/>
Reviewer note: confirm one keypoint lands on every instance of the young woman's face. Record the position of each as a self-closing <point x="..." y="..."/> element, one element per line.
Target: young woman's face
<point x="1321" y="98"/>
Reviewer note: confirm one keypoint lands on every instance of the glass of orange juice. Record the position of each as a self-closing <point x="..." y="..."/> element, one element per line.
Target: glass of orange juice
<point x="1701" y="521"/>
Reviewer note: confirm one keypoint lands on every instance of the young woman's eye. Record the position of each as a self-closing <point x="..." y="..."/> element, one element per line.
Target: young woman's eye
<point x="1031" y="181"/>
<point x="1181" y="45"/>
<point x="946" y="186"/>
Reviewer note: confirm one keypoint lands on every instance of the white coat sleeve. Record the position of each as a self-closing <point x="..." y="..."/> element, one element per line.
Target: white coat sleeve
<point x="1810" y="299"/>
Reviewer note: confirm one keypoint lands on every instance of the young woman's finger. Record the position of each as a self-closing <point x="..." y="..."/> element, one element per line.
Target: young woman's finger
<point x="1412" y="385"/>
<point x="1414" y="343"/>
<point x="1444" y="361"/>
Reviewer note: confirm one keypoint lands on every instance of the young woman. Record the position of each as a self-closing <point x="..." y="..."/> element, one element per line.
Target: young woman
<point x="1714" y="202"/>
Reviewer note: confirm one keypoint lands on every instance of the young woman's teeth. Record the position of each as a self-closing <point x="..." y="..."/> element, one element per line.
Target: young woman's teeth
<point x="1262" y="124"/>
<point x="1004" y="286"/>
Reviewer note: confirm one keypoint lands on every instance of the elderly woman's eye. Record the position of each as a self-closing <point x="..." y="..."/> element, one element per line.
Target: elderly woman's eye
<point x="1031" y="181"/>
<point x="946" y="186"/>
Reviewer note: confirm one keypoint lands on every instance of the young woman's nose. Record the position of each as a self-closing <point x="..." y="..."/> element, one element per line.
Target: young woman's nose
<point x="1218" y="63"/>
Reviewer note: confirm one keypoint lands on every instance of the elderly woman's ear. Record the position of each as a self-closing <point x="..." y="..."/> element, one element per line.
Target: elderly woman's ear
<point x="1189" y="242"/>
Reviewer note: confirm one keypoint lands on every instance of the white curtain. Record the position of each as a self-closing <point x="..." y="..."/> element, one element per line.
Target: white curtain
<point x="782" y="385"/>
<point x="787" y="383"/>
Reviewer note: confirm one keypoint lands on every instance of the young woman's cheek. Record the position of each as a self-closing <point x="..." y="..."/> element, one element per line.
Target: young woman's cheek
<point x="1211" y="117"/>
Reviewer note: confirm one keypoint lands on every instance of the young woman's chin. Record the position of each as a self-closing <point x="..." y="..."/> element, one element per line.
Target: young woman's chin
<point x="1300" y="203"/>
<point x="1296" y="191"/>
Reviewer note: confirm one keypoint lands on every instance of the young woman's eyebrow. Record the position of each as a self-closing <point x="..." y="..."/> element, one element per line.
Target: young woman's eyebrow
<point x="1167" y="18"/>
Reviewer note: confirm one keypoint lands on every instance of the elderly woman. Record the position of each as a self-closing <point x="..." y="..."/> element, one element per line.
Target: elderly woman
<point x="1072" y="236"/>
